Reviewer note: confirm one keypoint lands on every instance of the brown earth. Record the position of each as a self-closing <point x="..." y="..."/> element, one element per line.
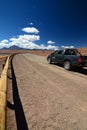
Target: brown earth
<point x="2" y="63"/>
<point x="83" y="51"/>
<point x="38" y="52"/>
<point x="45" y="97"/>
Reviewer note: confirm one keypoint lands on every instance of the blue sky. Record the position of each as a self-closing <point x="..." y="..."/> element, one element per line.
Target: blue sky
<point x="43" y="24"/>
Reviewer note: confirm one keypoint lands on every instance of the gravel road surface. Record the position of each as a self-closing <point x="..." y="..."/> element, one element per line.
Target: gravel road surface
<point x="45" y="97"/>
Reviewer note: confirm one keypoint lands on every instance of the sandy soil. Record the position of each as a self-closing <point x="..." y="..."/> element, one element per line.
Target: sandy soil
<point x="45" y="97"/>
<point x="83" y="51"/>
<point x="2" y="63"/>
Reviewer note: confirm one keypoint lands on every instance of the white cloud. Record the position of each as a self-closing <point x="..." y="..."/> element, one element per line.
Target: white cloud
<point x="67" y="46"/>
<point x="31" y="23"/>
<point x="4" y="43"/>
<point x="24" y="38"/>
<point x="49" y="47"/>
<point x="31" y="30"/>
<point x="27" y="41"/>
<point x="30" y="45"/>
<point x="50" y="42"/>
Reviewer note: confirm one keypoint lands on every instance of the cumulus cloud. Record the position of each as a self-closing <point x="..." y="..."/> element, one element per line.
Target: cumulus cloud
<point x="24" y="38"/>
<point x="31" y="23"/>
<point x="67" y="46"/>
<point x="4" y="43"/>
<point x="31" y="30"/>
<point x="49" y="47"/>
<point x="30" y="45"/>
<point x="50" y="42"/>
<point x="27" y="41"/>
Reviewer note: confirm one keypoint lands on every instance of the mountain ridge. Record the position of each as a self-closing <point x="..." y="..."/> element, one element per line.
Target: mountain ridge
<point x="14" y="47"/>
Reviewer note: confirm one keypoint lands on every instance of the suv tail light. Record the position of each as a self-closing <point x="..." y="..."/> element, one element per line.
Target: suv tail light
<point x="79" y="60"/>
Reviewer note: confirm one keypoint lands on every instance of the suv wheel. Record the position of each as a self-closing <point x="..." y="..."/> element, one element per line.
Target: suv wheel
<point x="49" y="60"/>
<point x="67" y="65"/>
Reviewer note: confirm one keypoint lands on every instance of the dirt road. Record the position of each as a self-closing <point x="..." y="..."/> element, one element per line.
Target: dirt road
<point x="45" y="97"/>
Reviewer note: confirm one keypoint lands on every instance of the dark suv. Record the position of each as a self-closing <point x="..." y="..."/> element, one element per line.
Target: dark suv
<point x="68" y="57"/>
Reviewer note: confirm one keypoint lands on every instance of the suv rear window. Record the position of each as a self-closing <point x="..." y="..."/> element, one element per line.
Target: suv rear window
<point x="70" y="52"/>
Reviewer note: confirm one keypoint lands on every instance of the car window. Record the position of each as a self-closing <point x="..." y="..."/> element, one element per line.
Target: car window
<point x="67" y="52"/>
<point x="58" y="52"/>
<point x="70" y="52"/>
<point x="55" y="53"/>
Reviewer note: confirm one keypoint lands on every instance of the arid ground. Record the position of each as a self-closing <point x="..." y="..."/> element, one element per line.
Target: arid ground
<point x="45" y="97"/>
<point x="38" y="52"/>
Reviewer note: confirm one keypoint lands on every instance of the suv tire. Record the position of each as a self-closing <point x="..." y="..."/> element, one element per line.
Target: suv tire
<point x="67" y="65"/>
<point x="49" y="60"/>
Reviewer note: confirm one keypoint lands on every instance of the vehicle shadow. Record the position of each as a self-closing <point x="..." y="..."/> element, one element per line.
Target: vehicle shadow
<point x="81" y="71"/>
<point x="19" y="113"/>
<point x="78" y="70"/>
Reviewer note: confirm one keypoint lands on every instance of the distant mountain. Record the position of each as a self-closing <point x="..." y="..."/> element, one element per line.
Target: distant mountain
<point x="4" y="48"/>
<point x="14" y="47"/>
